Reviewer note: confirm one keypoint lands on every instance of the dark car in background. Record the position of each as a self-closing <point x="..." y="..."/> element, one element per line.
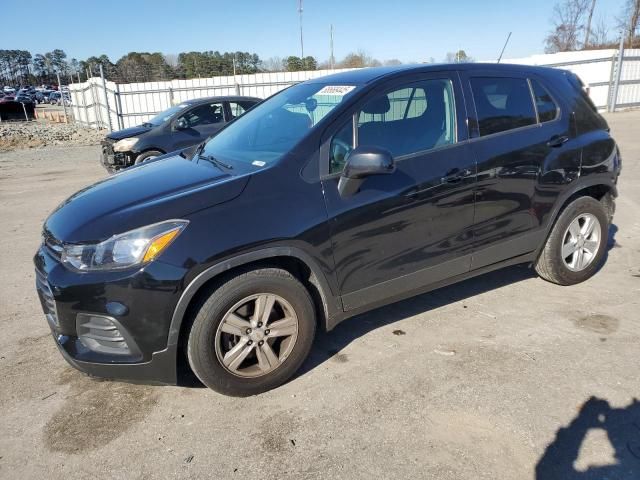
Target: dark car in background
<point x="331" y="198"/>
<point x="179" y="127"/>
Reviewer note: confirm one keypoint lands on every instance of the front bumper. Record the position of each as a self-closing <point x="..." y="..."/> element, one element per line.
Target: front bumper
<point x="112" y="324"/>
<point x="114" y="161"/>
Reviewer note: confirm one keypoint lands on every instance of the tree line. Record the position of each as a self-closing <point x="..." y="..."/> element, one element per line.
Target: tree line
<point x="20" y="67"/>
<point x="574" y="27"/>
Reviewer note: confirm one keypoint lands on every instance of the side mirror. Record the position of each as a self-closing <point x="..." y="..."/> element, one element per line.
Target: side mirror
<point x="362" y="162"/>
<point x="181" y="124"/>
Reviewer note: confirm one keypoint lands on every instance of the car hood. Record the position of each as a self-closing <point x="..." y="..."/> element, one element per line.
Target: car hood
<point x="168" y="188"/>
<point x="128" y="132"/>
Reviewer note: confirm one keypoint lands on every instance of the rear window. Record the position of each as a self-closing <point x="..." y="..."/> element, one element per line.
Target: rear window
<point x="502" y="104"/>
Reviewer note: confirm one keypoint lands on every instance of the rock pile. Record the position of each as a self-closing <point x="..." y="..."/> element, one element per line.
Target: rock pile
<point x="17" y="135"/>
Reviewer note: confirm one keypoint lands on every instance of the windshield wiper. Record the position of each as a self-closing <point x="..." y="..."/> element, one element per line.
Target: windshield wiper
<point x="215" y="161"/>
<point x="148" y="124"/>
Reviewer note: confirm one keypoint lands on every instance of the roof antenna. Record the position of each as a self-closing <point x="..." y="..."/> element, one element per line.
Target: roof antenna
<point x="505" y="46"/>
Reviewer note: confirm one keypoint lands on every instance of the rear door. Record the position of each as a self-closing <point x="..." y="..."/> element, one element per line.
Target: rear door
<point x="409" y="229"/>
<point x="522" y="144"/>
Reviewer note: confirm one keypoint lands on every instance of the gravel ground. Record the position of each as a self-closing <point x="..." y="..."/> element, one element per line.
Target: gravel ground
<point x="20" y="135"/>
<point x="492" y="378"/>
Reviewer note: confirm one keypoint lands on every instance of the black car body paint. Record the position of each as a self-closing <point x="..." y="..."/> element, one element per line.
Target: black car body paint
<point x="446" y="214"/>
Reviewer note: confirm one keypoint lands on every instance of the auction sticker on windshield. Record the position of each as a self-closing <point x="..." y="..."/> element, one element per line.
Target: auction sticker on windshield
<point x="339" y="90"/>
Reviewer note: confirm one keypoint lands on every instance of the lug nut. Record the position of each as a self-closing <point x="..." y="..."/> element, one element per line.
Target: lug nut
<point x="248" y="331"/>
<point x="250" y="342"/>
<point x="260" y="343"/>
<point x="259" y="324"/>
<point x="266" y="332"/>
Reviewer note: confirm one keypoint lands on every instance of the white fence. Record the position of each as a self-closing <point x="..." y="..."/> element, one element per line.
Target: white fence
<point x="100" y="103"/>
<point x="597" y="69"/>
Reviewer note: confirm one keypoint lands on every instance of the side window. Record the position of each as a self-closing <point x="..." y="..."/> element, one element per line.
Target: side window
<point x="238" y="109"/>
<point x="207" y="114"/>
<point x="547" y="108"/>
<point x="502" y="104"/>
<point x="410" y="119"/>
<point x="341" y="145"/>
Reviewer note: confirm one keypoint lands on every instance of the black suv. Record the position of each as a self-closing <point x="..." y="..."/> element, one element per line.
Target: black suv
<point x="333" y="197"/>
<point x="179" y="127"/>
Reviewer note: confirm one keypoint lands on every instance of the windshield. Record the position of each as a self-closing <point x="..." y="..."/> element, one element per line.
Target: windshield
<point x="167" y="114"/>
<point x="272" y="128"/>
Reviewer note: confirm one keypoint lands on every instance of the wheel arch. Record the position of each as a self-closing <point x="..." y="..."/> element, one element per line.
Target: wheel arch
<point x="297" y="262"/>
<point x="595" y="188"/>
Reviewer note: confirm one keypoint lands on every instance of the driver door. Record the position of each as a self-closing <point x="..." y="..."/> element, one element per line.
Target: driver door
<point x="412" y="228"/>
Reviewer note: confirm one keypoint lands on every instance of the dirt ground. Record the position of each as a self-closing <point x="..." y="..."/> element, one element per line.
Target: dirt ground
<point x="502" y="377"/>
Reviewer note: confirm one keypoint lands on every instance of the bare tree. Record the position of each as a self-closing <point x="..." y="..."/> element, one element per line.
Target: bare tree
<point x="587" y="33"/>
<point x="273" y="64"/>
<point x="600" y="35"/>
<point x="629" y="21"/>
<point x="568" y="17"/>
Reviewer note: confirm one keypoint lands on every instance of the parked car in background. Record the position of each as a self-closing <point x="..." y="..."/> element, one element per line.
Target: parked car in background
<point x="9" y="90"/>
<point x="333" y="197"/>
<point x="24" y="98"/>
<point x="56" y="98"/>
<point x="181" y="126"/>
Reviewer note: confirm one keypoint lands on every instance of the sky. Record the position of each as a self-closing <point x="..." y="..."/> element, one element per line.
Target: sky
<point x="408" y="30"/>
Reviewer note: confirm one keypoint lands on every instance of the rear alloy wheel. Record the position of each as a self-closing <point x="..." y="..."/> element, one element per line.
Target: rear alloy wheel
<point x="252" y="333"/>
<point x="581" y="242"/>
<point x="577" y="244"/>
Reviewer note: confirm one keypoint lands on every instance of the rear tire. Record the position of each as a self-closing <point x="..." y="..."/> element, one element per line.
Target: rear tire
<point x="235" y="345"/>
<point x="576" y="246"/>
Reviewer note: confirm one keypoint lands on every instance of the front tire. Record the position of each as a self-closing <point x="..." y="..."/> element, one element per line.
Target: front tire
<point x="577" y="244"/>
<point x="146" y="156"/>
<point x="253" y="333"/>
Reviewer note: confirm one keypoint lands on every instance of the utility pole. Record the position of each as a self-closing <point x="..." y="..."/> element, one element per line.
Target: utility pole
<point x="331" y="57"/>
<point x="587" y="33"/>
<point x="301" y="41"/>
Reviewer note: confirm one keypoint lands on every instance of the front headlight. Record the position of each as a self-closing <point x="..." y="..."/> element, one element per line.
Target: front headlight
<point x="125" y="144"/>
<point x="124" y="250"/>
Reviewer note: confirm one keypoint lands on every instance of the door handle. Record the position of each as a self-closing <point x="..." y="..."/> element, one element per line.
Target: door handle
<point x="456" y="175"/>
<point x="557" y="141"/>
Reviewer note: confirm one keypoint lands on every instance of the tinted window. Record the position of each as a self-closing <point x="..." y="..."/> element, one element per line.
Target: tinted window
<point x="207" y="114"/>
<point x="502" y="104"/>
<point x="410" y="119"/>
<point x="547" y="108"/>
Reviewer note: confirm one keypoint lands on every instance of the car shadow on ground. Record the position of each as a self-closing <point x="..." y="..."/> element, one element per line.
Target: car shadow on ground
<point x="329" y="344"/>
<point x="622" y="428"/>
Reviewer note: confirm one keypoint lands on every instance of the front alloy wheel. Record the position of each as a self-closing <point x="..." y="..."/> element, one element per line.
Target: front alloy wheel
<point x="252" y="332"/>
<point x="256" y="335"/>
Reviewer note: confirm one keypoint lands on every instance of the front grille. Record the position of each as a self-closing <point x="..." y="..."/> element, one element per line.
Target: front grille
<point x="46" y="298"/>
